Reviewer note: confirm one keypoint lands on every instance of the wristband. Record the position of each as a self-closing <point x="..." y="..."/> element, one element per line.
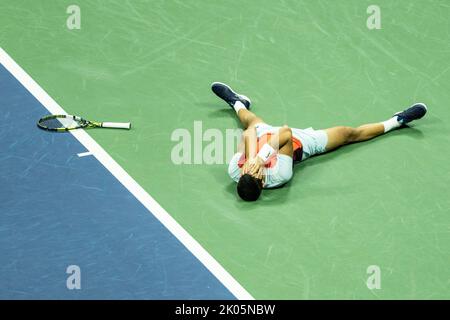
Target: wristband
<point x="266" y="152"/>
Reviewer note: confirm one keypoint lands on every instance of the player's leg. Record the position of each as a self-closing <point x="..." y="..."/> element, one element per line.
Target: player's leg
<point x="240" y="103"/>
<point x="342" y="135"/>
<point x="248" y="118"/>
<point x="339" y="136"/>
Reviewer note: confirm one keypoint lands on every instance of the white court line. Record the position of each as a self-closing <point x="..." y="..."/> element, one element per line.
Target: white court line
<point x="84" y="154"/>
<point x="176" y="229"/>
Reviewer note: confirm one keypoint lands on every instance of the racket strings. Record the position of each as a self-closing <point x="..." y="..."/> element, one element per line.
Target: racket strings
<point x="56" y="123"/>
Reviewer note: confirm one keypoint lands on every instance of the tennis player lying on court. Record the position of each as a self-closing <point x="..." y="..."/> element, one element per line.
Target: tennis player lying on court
<point x="266" y="155"/>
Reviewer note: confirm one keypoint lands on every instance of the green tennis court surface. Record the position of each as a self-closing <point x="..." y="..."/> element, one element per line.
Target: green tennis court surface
<point x="305" y="63"/>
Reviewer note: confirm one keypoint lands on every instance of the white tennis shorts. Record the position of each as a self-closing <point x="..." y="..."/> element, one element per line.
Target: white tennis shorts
<point x="313" y="141"/>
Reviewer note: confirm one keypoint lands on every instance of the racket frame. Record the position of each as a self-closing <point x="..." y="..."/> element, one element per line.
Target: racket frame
<point x="83" y="123"/>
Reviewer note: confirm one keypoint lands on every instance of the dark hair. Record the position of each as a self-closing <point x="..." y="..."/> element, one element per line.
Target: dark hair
<point x="249" y="188"/>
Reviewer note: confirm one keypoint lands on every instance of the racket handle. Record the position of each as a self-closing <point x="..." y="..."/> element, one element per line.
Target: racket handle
<point x="118" y="125"/>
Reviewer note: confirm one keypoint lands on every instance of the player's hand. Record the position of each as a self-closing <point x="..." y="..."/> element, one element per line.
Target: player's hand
<point x="257" y="168"/>
<point x="255" y="165"/>
<point x="246" y="168"/>
<point x="260" y="173"/>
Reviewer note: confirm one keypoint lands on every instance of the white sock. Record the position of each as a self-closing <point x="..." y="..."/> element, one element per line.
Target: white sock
<point x="391" y="124"/>
<point x="238" y="106"/>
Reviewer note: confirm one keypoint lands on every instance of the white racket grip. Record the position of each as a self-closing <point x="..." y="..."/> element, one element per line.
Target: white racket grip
<point x="118" y="125"/>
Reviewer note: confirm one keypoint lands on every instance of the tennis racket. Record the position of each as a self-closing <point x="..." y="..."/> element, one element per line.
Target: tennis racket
<point x="66" y="122"/>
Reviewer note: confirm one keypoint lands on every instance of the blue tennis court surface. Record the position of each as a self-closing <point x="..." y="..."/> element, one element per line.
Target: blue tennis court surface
<point x="58" y="209"/>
